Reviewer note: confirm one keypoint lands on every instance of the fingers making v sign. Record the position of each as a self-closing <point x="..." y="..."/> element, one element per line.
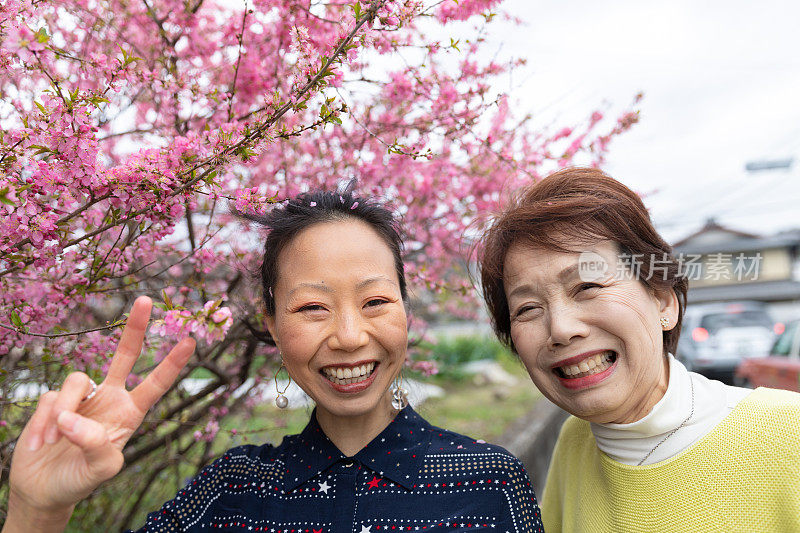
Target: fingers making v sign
<point x="73" y="443"/>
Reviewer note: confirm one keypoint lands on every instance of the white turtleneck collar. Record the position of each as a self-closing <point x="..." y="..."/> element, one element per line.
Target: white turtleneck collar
<point x="713" y="400"/>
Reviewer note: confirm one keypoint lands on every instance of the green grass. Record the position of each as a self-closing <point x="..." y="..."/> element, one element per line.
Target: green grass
<point x="482" y="412"/>
<point x="268" y="424"/>
<point x="452" y="352"/>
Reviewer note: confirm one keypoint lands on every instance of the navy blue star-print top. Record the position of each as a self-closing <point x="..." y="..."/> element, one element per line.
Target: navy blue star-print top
<point x="411" y="477"/>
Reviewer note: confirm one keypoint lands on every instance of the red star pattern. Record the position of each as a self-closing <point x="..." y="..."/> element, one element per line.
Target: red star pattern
<point x="470" y="472"/>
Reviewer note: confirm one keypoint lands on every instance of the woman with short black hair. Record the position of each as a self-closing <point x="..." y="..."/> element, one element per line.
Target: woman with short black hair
<point x="335" y="296"/>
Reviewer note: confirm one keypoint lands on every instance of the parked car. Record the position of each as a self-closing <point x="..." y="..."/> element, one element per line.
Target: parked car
<point x="780" y="369"/>
<point x="716" y="337"/>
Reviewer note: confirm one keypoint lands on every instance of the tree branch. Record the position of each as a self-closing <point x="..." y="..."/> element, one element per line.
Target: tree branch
<point x="67" y="334"/>
<point x="240" y="37"/>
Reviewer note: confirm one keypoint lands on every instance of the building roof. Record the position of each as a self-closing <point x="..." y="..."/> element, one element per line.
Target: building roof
<point x="736" y="243"/>
<point x="712" y="227"/>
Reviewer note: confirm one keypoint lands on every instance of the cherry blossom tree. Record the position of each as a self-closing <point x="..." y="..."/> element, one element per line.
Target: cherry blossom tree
<point x="130" y="129"/>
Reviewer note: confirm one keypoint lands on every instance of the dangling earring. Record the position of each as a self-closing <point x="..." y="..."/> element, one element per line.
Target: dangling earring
<point x="399" y="394"/>
<point x="664" y="322"/>
<point x="281" y="400"/>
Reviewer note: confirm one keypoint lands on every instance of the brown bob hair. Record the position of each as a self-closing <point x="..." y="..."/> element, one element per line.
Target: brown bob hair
<point x="571" y="207"/>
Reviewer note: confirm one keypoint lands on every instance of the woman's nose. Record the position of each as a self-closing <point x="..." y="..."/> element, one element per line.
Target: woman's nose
<point x="566" y="325"/>
<point x="350" y="332"/>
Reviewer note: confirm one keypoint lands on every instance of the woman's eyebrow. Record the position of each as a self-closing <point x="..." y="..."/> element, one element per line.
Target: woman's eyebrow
<point x="376" y="279"/>
<point x="568" y="272"/>
<point x="308" y="285"/>
<point x="528" y="289"/>
<point x="522" y="290"/>
<point x="325" y="288"/>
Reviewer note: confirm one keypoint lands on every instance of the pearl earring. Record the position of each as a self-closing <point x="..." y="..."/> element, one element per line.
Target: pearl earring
<point x="281" y="400"/>
<point x="399" y="394"/>
<point x="664" y="322"/>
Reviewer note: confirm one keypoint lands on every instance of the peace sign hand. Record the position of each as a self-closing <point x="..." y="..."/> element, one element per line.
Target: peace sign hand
<point x="71" y="445"/>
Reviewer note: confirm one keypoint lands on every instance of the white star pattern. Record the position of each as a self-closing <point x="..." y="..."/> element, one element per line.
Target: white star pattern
<point x="436" y="468"/>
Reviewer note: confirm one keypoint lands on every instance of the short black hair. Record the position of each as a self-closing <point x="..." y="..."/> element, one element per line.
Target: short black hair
<point x="290" y="217"/>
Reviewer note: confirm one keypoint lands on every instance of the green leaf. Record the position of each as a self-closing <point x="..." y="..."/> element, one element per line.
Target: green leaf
<point x="356" y="9"/>
<point x="167" y="301"/>
<point x="4" y="197"/>
<point x="15" y="319"/>
<point x="245" y="152"/>
<point x="209" y="178"/>
<point x="42" y="36"/>
<point x="127" y="59"/>
<point x="131" y="59"/>
<point x="41" y="107"/>
<point x="40" y="149"/>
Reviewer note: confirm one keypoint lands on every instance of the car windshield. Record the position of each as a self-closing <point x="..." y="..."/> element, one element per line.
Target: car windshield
<point x="743" y="319"/>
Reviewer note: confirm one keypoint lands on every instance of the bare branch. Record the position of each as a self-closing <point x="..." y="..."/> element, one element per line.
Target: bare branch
<point x="67" y="334"/>
<point x="240" y="38"/>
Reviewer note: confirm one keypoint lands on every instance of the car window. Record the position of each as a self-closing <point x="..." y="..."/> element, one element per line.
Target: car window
<point x="784" y="343"/>
<point x="717" y="321"/>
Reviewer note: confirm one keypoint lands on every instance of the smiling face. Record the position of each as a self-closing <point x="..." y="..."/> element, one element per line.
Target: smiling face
<point x="340" y="321"/>
<point x="589" y="336"/>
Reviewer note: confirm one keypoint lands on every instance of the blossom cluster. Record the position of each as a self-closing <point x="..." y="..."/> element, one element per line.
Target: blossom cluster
<point x="210" y="323"/>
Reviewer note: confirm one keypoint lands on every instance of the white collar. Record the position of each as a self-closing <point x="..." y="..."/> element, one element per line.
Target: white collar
<point x="630" y="443"/>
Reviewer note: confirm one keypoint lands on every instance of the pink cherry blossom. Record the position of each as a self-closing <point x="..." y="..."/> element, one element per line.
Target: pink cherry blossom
<point x="131" y="131"/>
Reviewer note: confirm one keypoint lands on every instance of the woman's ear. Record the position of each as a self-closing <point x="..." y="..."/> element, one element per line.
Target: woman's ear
<point x="270" y="320"/>
<point x="668" y="306"/>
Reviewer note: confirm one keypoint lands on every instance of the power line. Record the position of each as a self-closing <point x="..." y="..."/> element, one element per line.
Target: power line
<point x="705" y="209"/>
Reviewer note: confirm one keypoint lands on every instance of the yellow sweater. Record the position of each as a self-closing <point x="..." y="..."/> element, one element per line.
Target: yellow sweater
<point x="743" y="476"/>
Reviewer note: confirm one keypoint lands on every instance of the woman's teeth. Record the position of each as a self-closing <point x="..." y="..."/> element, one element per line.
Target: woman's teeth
<point x="346" y="375"/>
<point x="591" y="365"/>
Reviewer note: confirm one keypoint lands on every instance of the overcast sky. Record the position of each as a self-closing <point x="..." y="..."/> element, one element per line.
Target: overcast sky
<point x="722" y="87"/>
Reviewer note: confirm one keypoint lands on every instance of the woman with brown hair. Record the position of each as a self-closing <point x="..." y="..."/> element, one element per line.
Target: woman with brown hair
<point x="581" y="286"/>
